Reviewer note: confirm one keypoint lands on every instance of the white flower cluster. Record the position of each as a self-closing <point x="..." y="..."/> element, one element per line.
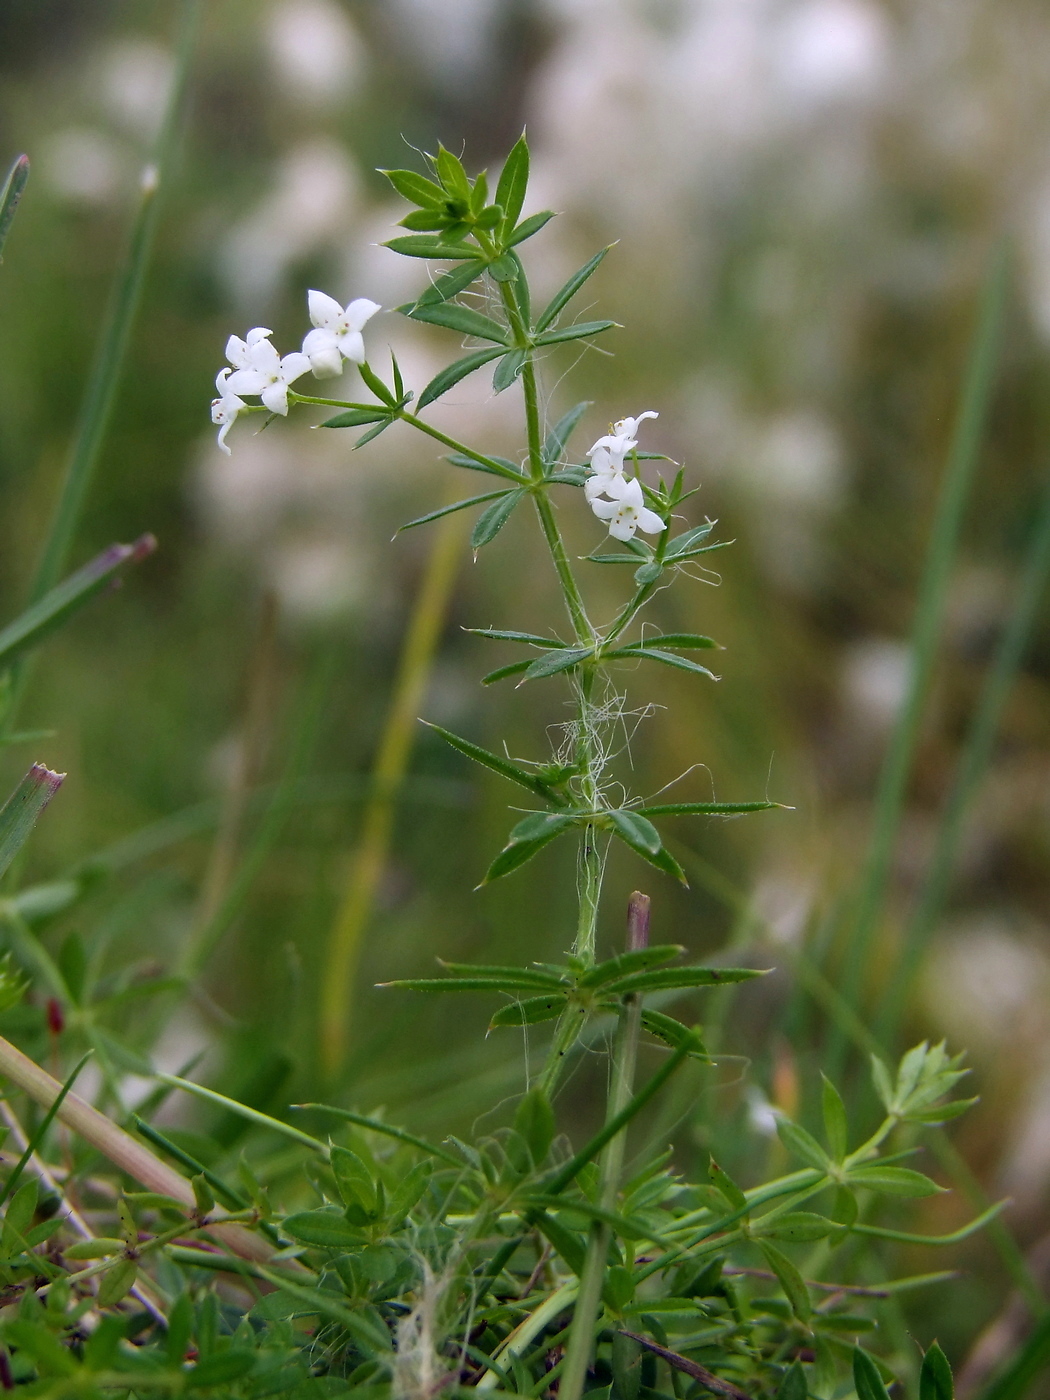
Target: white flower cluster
<point x="257" y="368"/>
<point x="625" y="509"/>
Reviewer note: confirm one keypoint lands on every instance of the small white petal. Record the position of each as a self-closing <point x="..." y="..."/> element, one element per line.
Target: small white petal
<point x="275" y="397"/>
<point x="247" y="381"/>
<point x="623" y="529"/>
<point x="326" y="362"/>
<point x="606" y="484"/>
<point x="221" y="378"/>
<point x="324" y="310"/>
<point x="352" y="345"/>
<point x="359" y="312"/>
<point x="222" y="437"/>
<point x="294" y="365"/>
<point x="630" y="494"/>
<point x="237" y="351"/>
<point x="257" y="334"/>
<point x="650" y="522"/>
<point x="605" y="510"/>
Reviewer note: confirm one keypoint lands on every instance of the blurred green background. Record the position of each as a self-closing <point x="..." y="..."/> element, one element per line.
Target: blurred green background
<point x="806" y="196"/>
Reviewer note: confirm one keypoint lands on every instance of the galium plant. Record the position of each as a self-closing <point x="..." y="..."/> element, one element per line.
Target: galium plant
<point x="372" y="1261"/>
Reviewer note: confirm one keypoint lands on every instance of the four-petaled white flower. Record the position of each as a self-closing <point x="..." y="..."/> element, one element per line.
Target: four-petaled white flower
<point x="337" y="333"/>
<point x="239" y="351"/>
<point x="263" y="371"/>
<point x="627" y="512"/>
<point x="225" y="408"/>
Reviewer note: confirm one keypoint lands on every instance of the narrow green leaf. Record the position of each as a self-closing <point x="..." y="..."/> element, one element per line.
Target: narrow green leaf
<point x="453" y="373"/>
<point x="415" y="188"/>
<point x="503" y="766"/>
<point x="625" y="963"/>
<point x="452" y="175"/>
<point x="502" y="672"/>
<point x="559" y="435"/>
<point x="793" y="1386"/>
<point x="497" y="634"/>
<point x="374" y="432"/>
<point x="456" y="279"/>
<point x="530" y="226"/>
<point x="422" y="245"/>
<point x="707" y="809"/>
<point x="221" y="1368"/>
<point x="513" y="182"/>
<point x="640" y="652"/>
<point x="580" y="331"/>
<point x="508" y="370"/>
<point x="491" y="521"/>
<point x="117" y="1283"/>
<point x="686" y="541"/>
<point x="790" y="1280"/>
<point x="866" y="1377"/>
<point x="509" y="983"/>
<point x="526" y="840"/>
<point x="530" y="1011"/>
<point x="459" y="505"/>
<point x="22" y="810"/>
<point x="894" y="1181"/>
<point x="460" y="318"/>
<point x="935" y="1378"/>
<point x="497" y="466"/>
<point x="679" y="978"/>
<point x="561" y="298"/>
<point x="59" y="604"/>
<point x="376" y="1125"/>
<point x="572" y="476"/>
<point x="796" y="1226"/>
<point x="14" y="186"/>
<point x="534" y="1120"/>
<point x="836" y="1123"/>
<point x="327" y="1228"/>
<point x="673" y="1033"/>
<point x="373" y="381"/>
<point x="427" y="220"/>
<point x="562" y="660"/>
<point x="353" y="1179"/>
<point x="677" y="641"/>
<point x="723" y="1182"/>
<point x="540" y="977"/>
<point x="802" y="1144"/>
<point x="355" y="418"/>
<point x="637" y="832"/>
<point x="365" y="1332"/>
<point x="565" y="1242"/>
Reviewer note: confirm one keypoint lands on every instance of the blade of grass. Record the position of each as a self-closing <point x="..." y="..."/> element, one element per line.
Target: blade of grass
<point x="242" y="1110"/>
<point x="391" y="762"/>
<point x="970" y="769"/>
<point x="940" y="558"/>
<point x="41" y="1132"/>
<point x="375" y="1125"/>
<point x="100" y="396"/>
<point x="22" y="810"/>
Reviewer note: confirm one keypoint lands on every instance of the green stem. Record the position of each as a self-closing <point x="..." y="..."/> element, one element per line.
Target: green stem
<point x="625" y="1056"/>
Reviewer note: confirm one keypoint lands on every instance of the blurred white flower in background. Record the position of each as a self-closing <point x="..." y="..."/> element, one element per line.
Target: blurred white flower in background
<point x="312" y="205"/>
<point x="451" y="38"/>
<point x="831" y="52"/>
<point x="873" y="680"/>
<point x="133" y="82"/>
<point x="315" y="51"/>
<point x="83" y="165"/>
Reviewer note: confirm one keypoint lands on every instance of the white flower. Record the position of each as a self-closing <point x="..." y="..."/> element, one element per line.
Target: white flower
<point x="238" y="351"/>
<point x="337" y="333"/>
<point x="628" y="511"/>
<point x="607" y="456"/>
<point x="225" y="408"/>
<point x="262" y="371"/>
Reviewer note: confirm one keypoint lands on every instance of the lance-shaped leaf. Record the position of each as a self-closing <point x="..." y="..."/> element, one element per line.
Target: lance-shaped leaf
<point x="22" y="810"/>
<point x="559" y="435"/>
<point x="570" y="476"/>
<point x="790" y="1280"/>
<point x="539" y="977"/>
<point x="625" y="963"/>
<point x="453" y="373"/>
<point x="643" y="838"/>
<point x="513" y="182"/>
<point x="459" y="505"/>
<point x="509" y="983"/>
<point x="561" y="298"/>
<point x="802" y="1145"/>
<point x="458" y="318"/>
<point x="531" y="225"/>
<point x="580" y="331"/>
<point x="498" y="634"/>
<point x="530" y="1011"/>
<point x="707" y="809"/>
<point x="417" y="189"/>
<point x="793" y="1386"/>
<point x="356" y="418"/>
<point x="674" y="641"/>
<point x="674" y="1034"/>
<point x="836" y="1123"/>
<point x="526" y="840"/>
<point x="61" y="602"/>
<point x="14" y="186"/>
<point x="867" y="1379"/>
<point x="508" y="370"/>
<point x="935" y="1378"/>
<point x="424" y="246"/>
<point x="562" y="660"/>
<point x="797" y="1227"/>
<point x="663" y="979"/>
<point x="450" y="283"/>
<point x="501" y="673"/>
<point x="497" y="466"/>
<point x="681" y="543"/>
<point x="894" y="1181"/>
<point x="640" y="652"/>
<point x="491" y="521"/>
<point x="503" y="766"/>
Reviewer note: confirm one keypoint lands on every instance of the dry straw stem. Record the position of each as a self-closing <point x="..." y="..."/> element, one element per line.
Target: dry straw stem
<point x="121" y="1149"/>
